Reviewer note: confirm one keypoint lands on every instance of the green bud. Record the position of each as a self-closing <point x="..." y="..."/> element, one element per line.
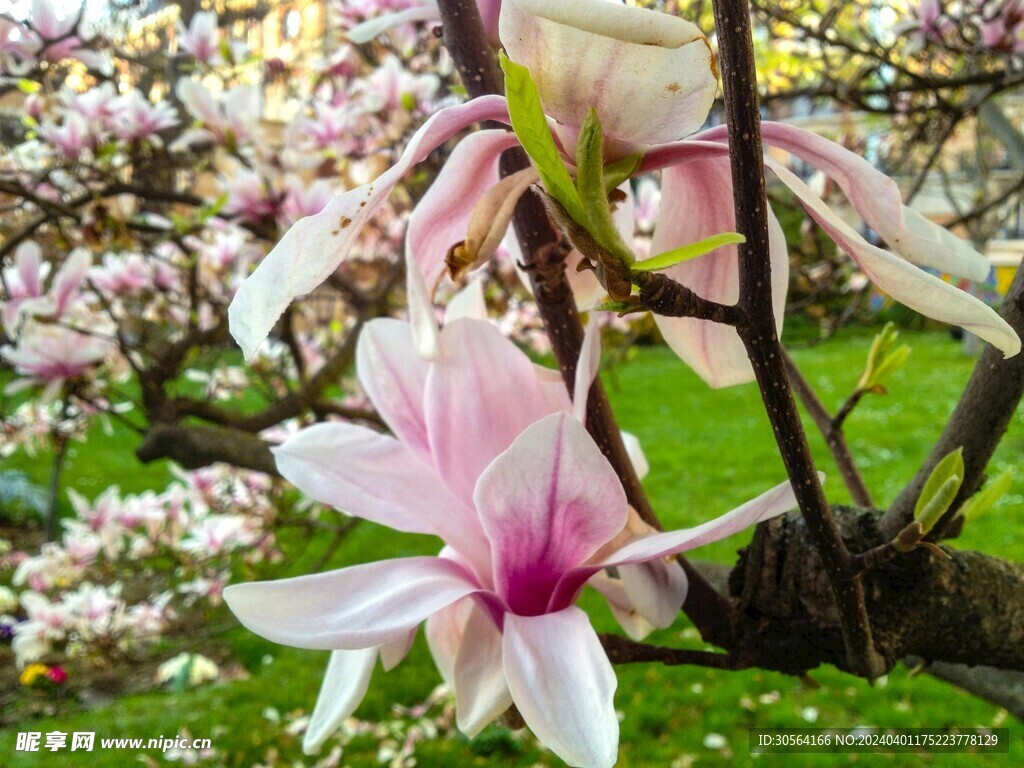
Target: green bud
<point x="940" y="489"/>
<point x="883" y="359"/>
<point x="985" y="499"/>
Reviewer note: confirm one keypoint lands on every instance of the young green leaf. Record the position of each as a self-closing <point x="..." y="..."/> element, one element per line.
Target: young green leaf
<point x="883" y="358"/>
<point x="985" y="499"/>
<point x="617" y="172"/>
<point x="687" y="252"/>
<point x="936" y="488"/>
<point x="531" y="128"/>
<point x="590" y="183"/>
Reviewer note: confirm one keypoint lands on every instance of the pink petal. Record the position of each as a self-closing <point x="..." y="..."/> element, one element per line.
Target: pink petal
<point x="359" y="607"/>
<point x="903" y="281"/>
<point x="314" y="247"/>
<point x="377" y="478"/>
<point x="877" y="199"/>
<point x="656" y="589"/>
<point x="697" y="203"/>
<point x="547" y="504"/>
<point x="441" y="217"/>
<point x="563" y="685"/>
<point x="621" y="605"/>
<point x="470" y="418"/>
<point x="343" y="688"/>
<point x="69" y="278"/>
<point x="444" y="634"/>
<point x="469" y="302"/>
<point x="368" y="30"/>
<point x="650" y="76"/>
<point x="777" y="501"/>
<point x="394" y="377"/>
<point x="481" y="693"/>
<point x="586" y="368"/>
<point x="391" y="654"/>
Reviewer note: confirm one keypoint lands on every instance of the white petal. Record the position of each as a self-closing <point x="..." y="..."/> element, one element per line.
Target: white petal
<point x="481" y="693"/>
<point x="563" y="685"/>
<point x="343" y="688"/>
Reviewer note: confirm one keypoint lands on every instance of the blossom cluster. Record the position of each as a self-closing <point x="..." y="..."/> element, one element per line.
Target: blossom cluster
<point x="80" y="595"/>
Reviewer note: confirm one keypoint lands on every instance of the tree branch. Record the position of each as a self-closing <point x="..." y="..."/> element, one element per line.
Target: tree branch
<point x="739" y="82"/>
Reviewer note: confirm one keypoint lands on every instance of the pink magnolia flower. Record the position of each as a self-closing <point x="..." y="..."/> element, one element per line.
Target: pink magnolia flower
<point x="651" y="80"/>
<point x="529" y="510"/>
<point x="138" y="119"/>
<point x="230" y="118"/>
<point x="1005" y="31"/>
<point x="52" y="354"/>
<point x="201" y="38"/>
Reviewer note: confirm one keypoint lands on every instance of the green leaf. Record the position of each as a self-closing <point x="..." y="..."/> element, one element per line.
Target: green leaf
<point x="940" y="489"/>
<point x="687" y="252"/>
<point x="617" y="172"/>
<point x="984" y="500"/>
<point x="883" y="359"/>
<point x="531" y="128"/>
<point x="590" y="183"/>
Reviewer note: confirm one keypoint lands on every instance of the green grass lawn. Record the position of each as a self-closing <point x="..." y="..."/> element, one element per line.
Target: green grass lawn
<point x="709" y="451"/>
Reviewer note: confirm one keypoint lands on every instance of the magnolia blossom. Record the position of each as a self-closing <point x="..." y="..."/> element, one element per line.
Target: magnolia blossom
<point x="201" y="38"/>
<point x="27" y="294"/>
<point x="230" y="118"/>
<point x="651" y="79"/>
<point x="138" y="119"/>
<point x="52" y="354"/>
<point x="529" y="511"/>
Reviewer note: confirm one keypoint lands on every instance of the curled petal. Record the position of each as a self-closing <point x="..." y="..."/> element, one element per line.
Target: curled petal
<point x="343" y="688"/>
<point x="442" y="216"/>
<point x="650" y="76"/>
<point x="315" y="245"/>
<point x="563" y="685"/>
<point x="489" y="222"/>
<point x="352" y="608"/>
<point x="877" y="199"/>
<point x="903" y="281"/>
<point x="586" y="368"/>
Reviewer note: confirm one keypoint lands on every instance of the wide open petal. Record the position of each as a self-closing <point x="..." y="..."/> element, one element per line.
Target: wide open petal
<point x="482" y="391"/>
<point x="343" y="688"/>
<point x="877" y="199"/>
<point x="563" y="685"/>
<point x="394" y="377"/>
<point x="481" y="693"/>
<point x="377" y="478"/>
<point x="358" y="607"/>
<point x="777" y="501"/>
<point x="315" y="245"/>
<point x="697" y="202"/>
<point x="547" y="504"/>
<point x="650" y="76"/>
<point x="903" y="281"/>
<point x="441" y="217"/>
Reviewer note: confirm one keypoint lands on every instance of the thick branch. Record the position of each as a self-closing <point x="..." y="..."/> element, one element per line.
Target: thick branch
<point x="979" y="420"/>
<point x="739" y="82"/>
<point x="194" y="446"/>
<point x="963" y="609"/>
